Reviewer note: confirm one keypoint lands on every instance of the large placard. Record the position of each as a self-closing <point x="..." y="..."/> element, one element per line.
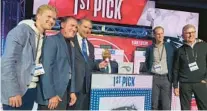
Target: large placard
<point x="121" y="92"/>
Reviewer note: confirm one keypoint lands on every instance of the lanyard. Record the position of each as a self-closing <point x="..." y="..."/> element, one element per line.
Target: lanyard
<point x="194" y="55"/>
<point x="161" y="53"/>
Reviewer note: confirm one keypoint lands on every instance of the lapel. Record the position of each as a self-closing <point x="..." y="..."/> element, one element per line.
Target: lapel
<point x="167" y="53"/>
<point x="64" y="44"/>
<point x="79" y="49"/>
<point x="89" y="48"/>
<point x="44" y="39"/>
<point x="32" y="42"/>
<point x="77" y="44"/>
<point x="152" y="52"/>
<point x="73" y="52"/>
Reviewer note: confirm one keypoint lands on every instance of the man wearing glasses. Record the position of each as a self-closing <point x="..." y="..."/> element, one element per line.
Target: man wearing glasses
<point x="190" y="70"/>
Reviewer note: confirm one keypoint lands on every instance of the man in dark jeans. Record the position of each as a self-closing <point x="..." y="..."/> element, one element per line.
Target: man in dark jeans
<point x="190" y="70"/>
<point x="159" y="60"/>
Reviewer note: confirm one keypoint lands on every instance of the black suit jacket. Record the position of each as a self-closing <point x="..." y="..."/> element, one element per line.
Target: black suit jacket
<point x="83" y="69"/>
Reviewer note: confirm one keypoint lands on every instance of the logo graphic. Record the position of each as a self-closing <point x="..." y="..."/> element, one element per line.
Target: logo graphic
<point x="129" y="108"/>
<point x="127" y="68"/>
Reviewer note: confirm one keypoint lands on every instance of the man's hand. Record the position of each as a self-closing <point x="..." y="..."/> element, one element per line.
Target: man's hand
<point x="15" y="101"/>
<point x="53" y="102"/>
<point x="176" y="91"/>
<point x="203" y="81"/>
<point x="103" y="64"/>
<point x="73" y="99"/>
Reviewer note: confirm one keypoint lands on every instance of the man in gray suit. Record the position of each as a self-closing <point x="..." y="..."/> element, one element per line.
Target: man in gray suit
<point x="57" y="85"/>
<point x="20" y="61"/>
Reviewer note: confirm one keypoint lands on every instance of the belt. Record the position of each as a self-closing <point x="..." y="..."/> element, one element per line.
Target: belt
<point x="160" y="75"/>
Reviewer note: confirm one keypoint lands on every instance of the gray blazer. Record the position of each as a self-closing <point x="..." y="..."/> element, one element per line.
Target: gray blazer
<point x="18" y="62"/>
<point x="58" y="69"/>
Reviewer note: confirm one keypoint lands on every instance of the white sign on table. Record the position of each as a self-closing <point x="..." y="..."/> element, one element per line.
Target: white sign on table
<point x="121" y="92"/>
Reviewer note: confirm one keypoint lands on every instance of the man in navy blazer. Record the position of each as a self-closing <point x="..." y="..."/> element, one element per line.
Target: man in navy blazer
<point x="84" y="64"/>
<point x="112" y="66"/>
<point x="57" y="85"/>
<point x="159" y="62"/>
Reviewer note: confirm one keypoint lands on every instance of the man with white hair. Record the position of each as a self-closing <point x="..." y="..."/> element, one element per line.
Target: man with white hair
<point x="190" y="70"/>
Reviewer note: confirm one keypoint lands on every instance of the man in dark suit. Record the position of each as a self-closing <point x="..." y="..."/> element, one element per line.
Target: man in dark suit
<point x="112" y="66"/>
<point x="84" y="64"/>
<point x="159" y="61"/>
<point x="57" y="85"/>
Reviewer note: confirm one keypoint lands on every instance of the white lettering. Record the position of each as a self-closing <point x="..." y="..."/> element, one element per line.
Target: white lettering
<point x="104" y="8"/>
<point x="82" y="5"/>
<point x="76" y="7"/>
<point x="109" y="12"/>
<point x="140" y="43"/>
<point x="117" y="12"/>
<point x="88" y="4"/>
<point x="97" y="7"/>
<point x="109" y="8"/>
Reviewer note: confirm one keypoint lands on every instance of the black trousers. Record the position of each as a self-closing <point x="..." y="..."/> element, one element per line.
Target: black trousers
<point x="161" y="93"/>
<point x="200" y="92"/>
<point x="83" y="99"/>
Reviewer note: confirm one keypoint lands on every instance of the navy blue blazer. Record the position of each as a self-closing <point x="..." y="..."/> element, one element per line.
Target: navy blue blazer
<point x="113" y="65"/>
<point x="59" y="71"/>
<point x="170" y="49"/>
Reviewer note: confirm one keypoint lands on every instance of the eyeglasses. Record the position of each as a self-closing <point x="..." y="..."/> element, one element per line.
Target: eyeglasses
<point x="193" y="32"/>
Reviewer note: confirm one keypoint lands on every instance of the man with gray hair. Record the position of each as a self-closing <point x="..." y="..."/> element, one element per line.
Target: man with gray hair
<point x="190" y="70"/>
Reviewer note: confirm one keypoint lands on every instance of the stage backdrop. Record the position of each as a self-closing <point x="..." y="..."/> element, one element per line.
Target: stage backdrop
<point x="129" y="45"/>
<point x="111" y="11"/>
<point x="126" y="45"/>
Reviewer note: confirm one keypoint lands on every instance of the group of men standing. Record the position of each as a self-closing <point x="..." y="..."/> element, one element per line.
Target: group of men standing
<point x="55" y="71"/>
<point x="184" y="68"/>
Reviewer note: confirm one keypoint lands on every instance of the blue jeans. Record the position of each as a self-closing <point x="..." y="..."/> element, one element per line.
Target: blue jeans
<point x="27" y="101"/>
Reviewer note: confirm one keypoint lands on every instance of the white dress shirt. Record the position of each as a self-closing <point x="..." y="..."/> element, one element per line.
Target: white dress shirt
<point x="80" y="42"/>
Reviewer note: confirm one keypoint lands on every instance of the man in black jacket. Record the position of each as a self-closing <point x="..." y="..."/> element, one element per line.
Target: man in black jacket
<point x="190" y="70"/>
